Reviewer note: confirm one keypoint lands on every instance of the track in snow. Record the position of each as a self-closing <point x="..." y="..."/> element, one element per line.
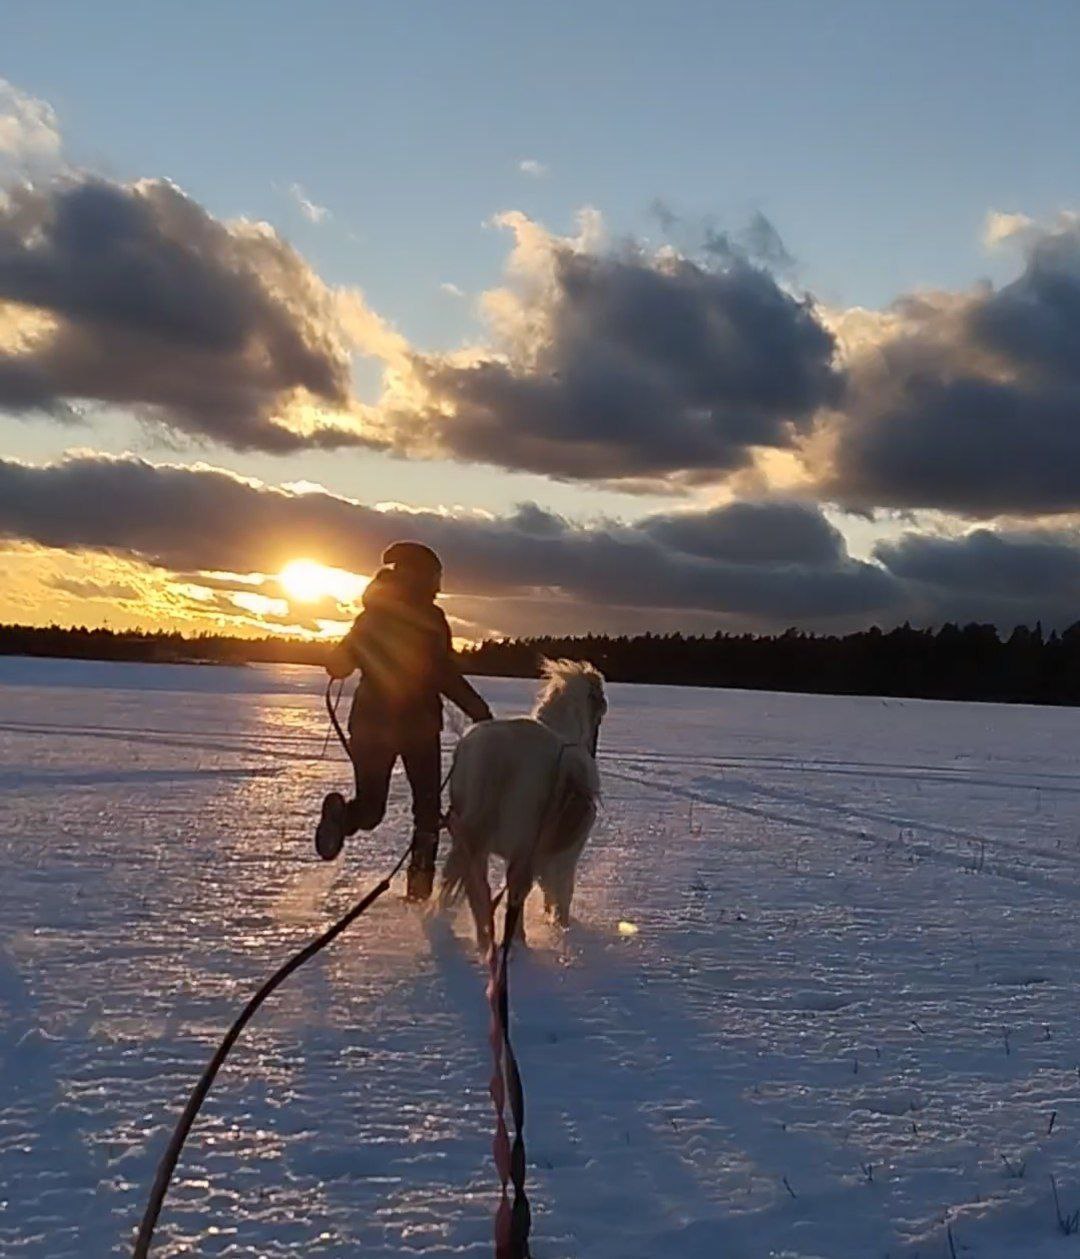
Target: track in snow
<point x="834" y="1021"/>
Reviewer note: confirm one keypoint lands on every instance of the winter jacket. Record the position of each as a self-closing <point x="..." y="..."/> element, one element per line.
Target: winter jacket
<point x="404" y="651"/>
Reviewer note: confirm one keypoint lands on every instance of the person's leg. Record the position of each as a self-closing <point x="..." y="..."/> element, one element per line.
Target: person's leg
<point x="373" y="763"/>
<point x="423" y="768"/>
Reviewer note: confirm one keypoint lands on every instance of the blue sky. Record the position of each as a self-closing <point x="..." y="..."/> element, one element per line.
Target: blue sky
<point x="875" y="137"/>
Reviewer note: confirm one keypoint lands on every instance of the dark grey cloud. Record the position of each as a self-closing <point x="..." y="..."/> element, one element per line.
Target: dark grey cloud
<point x="1034" y="322"/>
<point x="765" y="564"/>
<point x="625" y="365"/>
<point x="634" y="366"/>
<point x="1011" y="563"/>
<point x="972" y="404"/>
<point x="968" y="445"/>
<point x="1004" y="576"/>
<point x="752" y="533"/>
<point x="647" y="369"/>
<point x="215" y="329"/>
<point x="192" y="519"/>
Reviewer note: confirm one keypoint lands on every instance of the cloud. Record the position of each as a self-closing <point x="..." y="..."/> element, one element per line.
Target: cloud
<point x="620" y="364"/>
<point x="29" y="129"/>
<point x="531" y="167"/>
<point x="969" y="402"/>
<point x="651" y="369"/>
<point x="212" y="537"/>
<point x="751" y="562"/>
<point x="88" y="588"/>
<point x="1012" y="563"/>
<point x="138" y="296"/>
<point x="451" y="290"/>
<point x="756" y="242"/>
<point x="752" y="533"/>
<point x="1001" y="227"/>
<point x="1005" y="576"/>
<point x="309" y="209"/>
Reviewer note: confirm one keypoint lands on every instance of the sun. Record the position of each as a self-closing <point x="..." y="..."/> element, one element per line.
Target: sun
<point x="305" y="581"/>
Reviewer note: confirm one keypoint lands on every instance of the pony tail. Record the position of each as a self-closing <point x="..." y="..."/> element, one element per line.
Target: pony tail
<point x="454" y="871"/>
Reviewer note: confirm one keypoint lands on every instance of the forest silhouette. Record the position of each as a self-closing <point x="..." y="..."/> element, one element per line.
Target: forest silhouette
<point x="970" y="662"/>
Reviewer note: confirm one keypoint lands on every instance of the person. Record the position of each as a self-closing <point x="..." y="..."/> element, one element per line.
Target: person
<point x="402" y="646"/>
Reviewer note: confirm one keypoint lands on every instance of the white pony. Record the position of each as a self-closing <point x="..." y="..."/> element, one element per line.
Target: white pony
<point x="526" y="789"/>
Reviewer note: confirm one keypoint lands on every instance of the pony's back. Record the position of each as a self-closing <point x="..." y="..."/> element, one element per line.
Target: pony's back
<point x="502" y="776"/>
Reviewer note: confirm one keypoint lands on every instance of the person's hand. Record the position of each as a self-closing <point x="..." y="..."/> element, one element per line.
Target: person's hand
<point x="337" y="665"/>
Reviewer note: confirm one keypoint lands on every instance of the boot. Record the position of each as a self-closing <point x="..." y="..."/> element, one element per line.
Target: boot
<point x="330" y="833"/>
<point x="421" y="874"/>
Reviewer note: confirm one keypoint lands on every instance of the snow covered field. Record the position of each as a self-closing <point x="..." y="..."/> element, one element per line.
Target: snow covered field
<point x="846" y="1028"/>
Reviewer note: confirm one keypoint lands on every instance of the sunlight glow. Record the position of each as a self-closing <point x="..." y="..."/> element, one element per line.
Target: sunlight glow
<point x="305" y="581"/>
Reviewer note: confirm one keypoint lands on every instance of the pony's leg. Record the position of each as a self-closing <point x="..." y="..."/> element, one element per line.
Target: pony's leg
<point x="466" y="870"/>
<point x="519" y="930"/>
<point x="557" y="882"/>
<point x="478" y="890"/>
<point x="519" y="884"/>
<point x="515" y="899"/>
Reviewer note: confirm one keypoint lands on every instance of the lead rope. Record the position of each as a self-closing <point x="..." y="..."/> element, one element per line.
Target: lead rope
<point x="198" y="1094"/>
<point x="332" y="707"/>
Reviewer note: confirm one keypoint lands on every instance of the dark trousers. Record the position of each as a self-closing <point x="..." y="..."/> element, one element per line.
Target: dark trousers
<point x="373" y="762"/>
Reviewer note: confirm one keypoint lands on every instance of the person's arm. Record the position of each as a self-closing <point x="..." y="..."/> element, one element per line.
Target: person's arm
<point x="344" y="657"/>
<point x="456" y="687"/>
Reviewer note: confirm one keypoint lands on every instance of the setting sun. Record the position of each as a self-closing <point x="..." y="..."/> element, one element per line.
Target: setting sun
<point x="305" y="581"/>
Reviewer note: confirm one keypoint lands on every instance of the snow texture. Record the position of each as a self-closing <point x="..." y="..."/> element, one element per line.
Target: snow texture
<point x="845" y="1027"/>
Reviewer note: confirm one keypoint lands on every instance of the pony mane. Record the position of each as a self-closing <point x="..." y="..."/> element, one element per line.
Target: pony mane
<point x="572" y="690"/>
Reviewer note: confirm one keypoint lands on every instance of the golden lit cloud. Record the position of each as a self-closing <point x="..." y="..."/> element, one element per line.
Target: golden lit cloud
<point x="44" y="585"/>
<point x="259" y="605"/>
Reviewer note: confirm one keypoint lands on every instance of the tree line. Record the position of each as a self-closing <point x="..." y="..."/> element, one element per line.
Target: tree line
<point x="971" y="662"/>
<point x="156" y="646"/>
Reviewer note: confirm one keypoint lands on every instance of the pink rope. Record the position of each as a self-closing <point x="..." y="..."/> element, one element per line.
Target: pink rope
<point x="500" y="1147"/>
<point x="512" y="1222"/>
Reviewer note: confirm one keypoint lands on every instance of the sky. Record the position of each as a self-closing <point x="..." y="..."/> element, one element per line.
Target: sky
<point x="682" y="316"/>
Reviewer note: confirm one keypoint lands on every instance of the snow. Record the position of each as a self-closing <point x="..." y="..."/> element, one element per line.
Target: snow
<point x="818" y="1003"/>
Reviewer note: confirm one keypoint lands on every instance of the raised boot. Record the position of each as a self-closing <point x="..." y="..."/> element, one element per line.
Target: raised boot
<point x="330" y="833"/>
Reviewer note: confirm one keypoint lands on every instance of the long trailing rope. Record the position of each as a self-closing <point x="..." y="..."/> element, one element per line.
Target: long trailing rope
<point x="513" y="1219"/>
<point x="169" y="1159"/>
